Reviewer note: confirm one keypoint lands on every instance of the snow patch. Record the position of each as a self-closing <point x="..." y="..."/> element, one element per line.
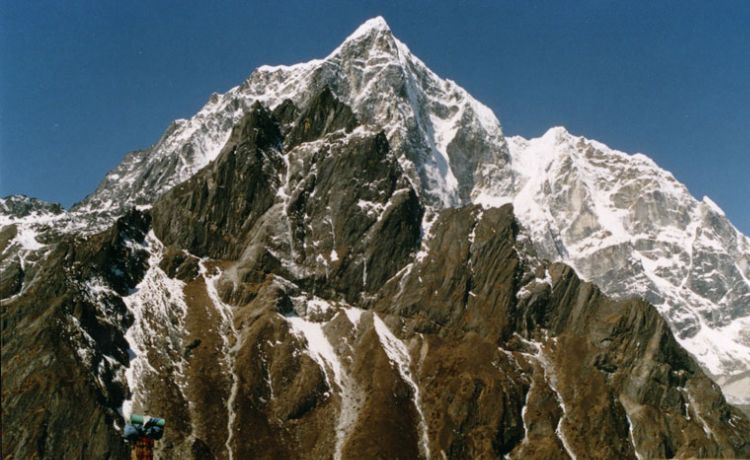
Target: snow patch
<point x="318" y="347"/>
<point x="354" y="315"/>
<point x="399" y="355"/>
<point x="26" y="237"/>
<point x="228" y="334"/>
<point x="152" y="301"/>
<point x="632" y="438"/>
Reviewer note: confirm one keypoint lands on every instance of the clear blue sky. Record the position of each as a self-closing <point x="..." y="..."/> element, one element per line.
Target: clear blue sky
<point x="84" y="82"/>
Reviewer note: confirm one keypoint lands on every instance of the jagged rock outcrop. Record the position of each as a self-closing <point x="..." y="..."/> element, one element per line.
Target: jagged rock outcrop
<point x="213" y="212"/>
<point x="22" y="206"/>
<point x="342" y="211"/>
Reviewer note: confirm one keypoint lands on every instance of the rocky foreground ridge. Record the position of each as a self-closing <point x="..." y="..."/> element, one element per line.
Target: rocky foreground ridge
<point x="323" y="286"/>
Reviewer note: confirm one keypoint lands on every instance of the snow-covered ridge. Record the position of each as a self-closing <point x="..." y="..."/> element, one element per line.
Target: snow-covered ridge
<point x="29" y="228"/>
<point x="633" y="229"/>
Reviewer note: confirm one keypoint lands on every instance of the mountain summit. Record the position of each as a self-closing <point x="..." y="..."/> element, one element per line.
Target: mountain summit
<point x="346" y="258"/>
<point x="441" y="134"/>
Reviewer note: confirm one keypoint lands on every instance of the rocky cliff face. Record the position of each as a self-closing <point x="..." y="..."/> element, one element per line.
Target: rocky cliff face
<point x="314" y="281"/>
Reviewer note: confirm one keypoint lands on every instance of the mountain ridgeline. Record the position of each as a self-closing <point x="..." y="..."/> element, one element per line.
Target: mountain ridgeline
<point x="322" y="264"/>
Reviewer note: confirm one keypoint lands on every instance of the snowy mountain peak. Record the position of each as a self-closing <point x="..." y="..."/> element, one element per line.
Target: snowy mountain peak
<point x="557" y="133"/>
<point x="446" y="140"/>
<point x="373" y="25"/>
<point x="373" y="39"/>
